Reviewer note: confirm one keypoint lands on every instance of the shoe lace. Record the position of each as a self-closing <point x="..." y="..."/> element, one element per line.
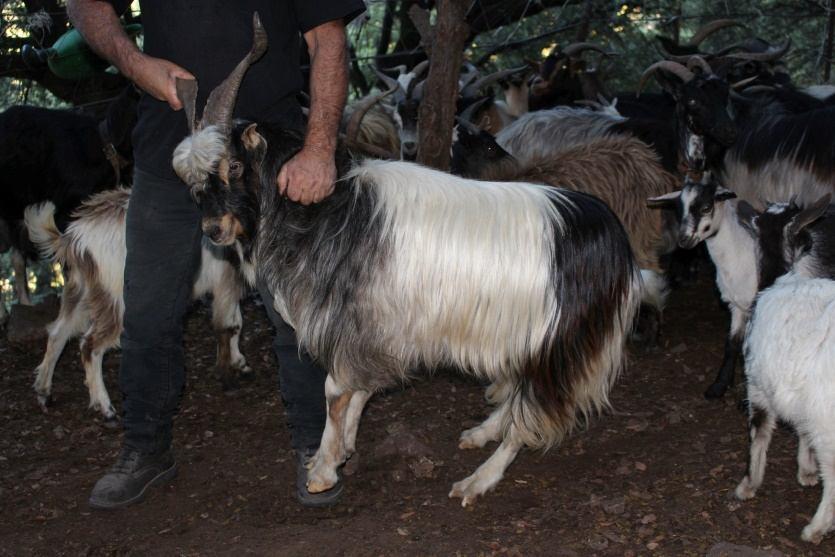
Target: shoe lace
<point x="126" y="462"/>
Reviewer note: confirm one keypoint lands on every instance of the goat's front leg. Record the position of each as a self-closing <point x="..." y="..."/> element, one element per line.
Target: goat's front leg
<point x="490" y="472"/>
<point x="331" y="454"/>
<point x="761" y="426"/>
<point x="807" y="467"/>
<point x="733" y="347"/>
<point x="20" y="279"/>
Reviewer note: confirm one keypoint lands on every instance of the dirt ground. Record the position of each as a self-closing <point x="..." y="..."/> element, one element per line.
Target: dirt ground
<point x="651" y="478"/>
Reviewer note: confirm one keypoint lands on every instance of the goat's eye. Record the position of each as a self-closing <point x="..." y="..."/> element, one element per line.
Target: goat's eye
<point x="236" y="169"/>
<point x="691" y="103"/>
<point x="707" y="209"/>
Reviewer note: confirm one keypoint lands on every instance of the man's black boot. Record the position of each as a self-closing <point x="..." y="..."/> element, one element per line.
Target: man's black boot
<point x="127" y="480"/>
<point x="324" y="499"/>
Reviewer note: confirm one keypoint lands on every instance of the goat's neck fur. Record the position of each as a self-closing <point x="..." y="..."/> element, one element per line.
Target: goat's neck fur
<point x="734" y="253"/>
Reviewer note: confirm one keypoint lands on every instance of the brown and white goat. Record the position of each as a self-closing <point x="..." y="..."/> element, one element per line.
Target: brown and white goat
<point x="621" y="171"/>
<point x="92" y="251"/>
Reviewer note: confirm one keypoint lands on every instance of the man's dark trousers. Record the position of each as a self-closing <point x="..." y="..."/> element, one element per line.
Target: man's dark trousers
<point x="163" y="256"/>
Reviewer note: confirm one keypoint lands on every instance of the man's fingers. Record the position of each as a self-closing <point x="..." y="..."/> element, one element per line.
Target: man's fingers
<point x="282" y="181"/>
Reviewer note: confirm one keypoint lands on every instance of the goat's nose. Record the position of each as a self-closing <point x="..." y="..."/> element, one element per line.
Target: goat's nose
<point x="211" y="230"/>
<point x="409" y="146"/>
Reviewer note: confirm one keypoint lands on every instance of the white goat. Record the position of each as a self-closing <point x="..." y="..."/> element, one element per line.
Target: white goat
<point x="93" y="251"/>
<point x="789" y="350"/>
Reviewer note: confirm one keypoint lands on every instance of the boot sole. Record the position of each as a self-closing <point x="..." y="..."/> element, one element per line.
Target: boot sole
<point x="162" y="477"/>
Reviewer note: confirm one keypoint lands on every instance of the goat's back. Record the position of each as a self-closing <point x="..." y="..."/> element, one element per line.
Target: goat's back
<point x="789" y="350"/>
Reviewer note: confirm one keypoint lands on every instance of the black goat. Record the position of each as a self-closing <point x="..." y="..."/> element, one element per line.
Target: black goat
<point x="59" y="156"/>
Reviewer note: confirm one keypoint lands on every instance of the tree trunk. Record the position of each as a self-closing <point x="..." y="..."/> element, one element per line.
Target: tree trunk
<point x="437" y="109"/>
<point x="585" y="22"/>
<point x="827" y="49"/>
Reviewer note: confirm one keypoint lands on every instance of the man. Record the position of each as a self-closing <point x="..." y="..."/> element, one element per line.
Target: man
<point x="204" y="40"/>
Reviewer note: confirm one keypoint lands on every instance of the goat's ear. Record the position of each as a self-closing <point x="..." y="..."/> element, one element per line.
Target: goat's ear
<point x="666" y="200"/>
<point x="187" y="93"/>
<point x="809" y="215"/>
<point x="252" y="140"/>
<point x="723" y="194"/>
<point x="747" y="217"/>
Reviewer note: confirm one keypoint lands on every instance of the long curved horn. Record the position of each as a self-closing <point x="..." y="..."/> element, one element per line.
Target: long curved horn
<point x="697" y="60"/>
<point x="772" y="54"/>
<point x="473" y="89"/>
<point x="672" y="67"/>
<point x="418" y="70"/>
<point x="360" y="110"/>
<point x="468" y="113"/>
<point x="574" y="49"/>
<point x="710" y="28"/>
<point x="221" y="101"/>
<point x="744" y="82"/>
<point x="679" y="58"/>
<point x="391" y="84"/>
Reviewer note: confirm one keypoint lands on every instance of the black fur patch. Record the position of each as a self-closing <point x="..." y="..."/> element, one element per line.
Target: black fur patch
<point x="592" y="269"/>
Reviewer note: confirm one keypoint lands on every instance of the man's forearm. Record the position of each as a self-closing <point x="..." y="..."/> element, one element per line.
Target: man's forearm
<point x="99" y="24"/>
<point x="328" y="85"/>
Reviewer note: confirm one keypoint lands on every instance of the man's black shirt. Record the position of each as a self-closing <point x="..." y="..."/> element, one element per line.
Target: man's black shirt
<point x="208" y="38"/>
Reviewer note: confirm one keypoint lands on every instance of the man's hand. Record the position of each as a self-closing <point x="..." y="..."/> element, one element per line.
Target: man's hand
<point x="158" y="78"/>
<point x="99" y="24"/>
<point x="308" y="177"/>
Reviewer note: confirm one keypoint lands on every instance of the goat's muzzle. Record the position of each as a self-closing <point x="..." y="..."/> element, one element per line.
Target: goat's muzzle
<point x="222" y="231"/>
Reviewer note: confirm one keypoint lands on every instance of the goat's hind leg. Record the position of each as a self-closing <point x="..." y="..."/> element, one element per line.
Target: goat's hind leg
<point x="102" y="335"/>
<point x="20" y="278"/>
<point x="73" y="318"/>
<point x="807" y="467"/>
<point x="322" y="474"/>
<point x="490" y="472"/>
<point x="822" y="522"/>
<point x="761" y="424"/>
<point x="352" y="420"/>
<point x="489" y="430"/>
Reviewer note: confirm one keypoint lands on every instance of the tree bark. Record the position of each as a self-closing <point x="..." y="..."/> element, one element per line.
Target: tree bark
<point x="436" y="116"/>
<point x="585" y="22"/>
<point x="827" y="49"/>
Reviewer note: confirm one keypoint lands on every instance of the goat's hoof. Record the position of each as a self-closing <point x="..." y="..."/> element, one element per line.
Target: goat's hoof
<point x="229" y="383"/>
<point x="44" y="401"/>
<point x="716" y="391"/>
<point x="812" y="535"/>
<point x="807" y="478"/>
<point x="467" y="489"/>
<point x="111" y="422"/>
<point x="317" y="481"/>
<point x="473" y="439"/>
<point x="744" y="491"/>
<point x="246" y="374"/>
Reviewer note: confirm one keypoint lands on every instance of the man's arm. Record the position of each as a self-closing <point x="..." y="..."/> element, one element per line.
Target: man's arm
<point x="99" y="24"/>
<point x="309" y="176"/>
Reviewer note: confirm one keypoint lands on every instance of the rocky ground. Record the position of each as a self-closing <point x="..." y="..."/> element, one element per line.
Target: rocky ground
<point x="652" y="477"/>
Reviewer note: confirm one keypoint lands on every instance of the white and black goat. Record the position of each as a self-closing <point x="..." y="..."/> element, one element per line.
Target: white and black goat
<point x="790" y="346"/>
<point x="404" y="267"/>
<point x="708" y="213"/>
<point x="789" y="350"/>
<point x="92" y="251"/>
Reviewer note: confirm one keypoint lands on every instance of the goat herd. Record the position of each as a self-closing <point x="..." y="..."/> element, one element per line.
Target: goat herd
<point x="525" y="267"/>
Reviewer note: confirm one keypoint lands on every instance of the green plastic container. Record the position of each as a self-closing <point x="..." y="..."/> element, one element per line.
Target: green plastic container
<point x="71" y="58"/>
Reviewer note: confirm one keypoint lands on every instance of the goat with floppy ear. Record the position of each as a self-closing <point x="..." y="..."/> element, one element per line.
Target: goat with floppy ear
<point x="792" y="237"/>
<point x="531" y="287"/>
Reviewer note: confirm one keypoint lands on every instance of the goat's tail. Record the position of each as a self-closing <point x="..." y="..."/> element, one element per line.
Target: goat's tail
<point x="43" y="232"/>
<point x="598" y="287"/>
